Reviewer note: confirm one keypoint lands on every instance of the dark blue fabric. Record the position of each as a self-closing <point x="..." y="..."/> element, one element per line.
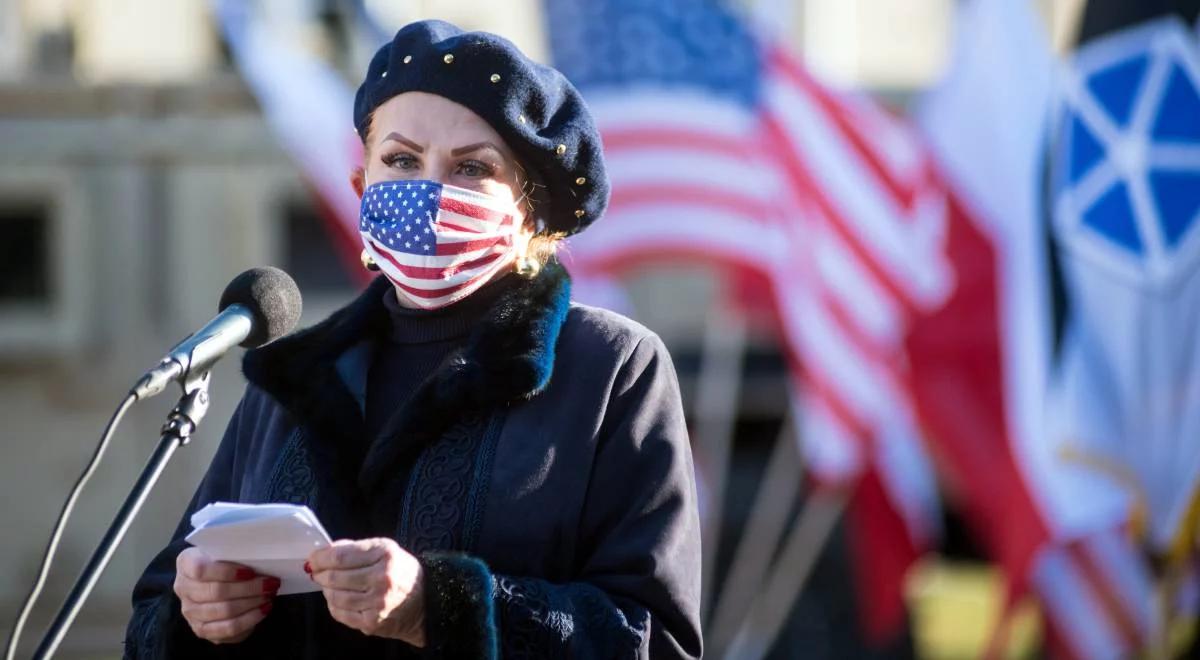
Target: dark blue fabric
<point x="533" y="107"/>
<point x="417" y="342"/>
<point x="677" y="46"/>
<point x="444" y="497"/>
<point x="559" y="447"/>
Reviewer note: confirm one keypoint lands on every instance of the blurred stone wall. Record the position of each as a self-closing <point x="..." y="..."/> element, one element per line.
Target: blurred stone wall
<point x="153" y="198"/>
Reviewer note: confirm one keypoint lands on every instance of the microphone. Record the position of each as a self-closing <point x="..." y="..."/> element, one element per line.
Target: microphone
<point x="259" y="306"/>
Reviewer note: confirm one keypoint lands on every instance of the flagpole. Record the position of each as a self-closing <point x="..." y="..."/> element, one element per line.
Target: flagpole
<point x="768" y="518"/>
<point x="1168" y="592"/>
<point x="766" y="616"/>
<point x="1001" y="636"/>
<point x="718" y="391"/>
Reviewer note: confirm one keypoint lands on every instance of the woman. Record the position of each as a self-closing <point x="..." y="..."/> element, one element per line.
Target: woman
<point x="510" y="470"/>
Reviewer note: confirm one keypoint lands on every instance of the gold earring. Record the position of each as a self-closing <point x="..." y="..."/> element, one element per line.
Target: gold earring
<point x="367" y="261"/>
<point x="527" y="266"/>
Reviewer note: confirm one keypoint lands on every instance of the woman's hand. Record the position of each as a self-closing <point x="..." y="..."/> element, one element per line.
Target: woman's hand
<point x="220" y="600"/>
<point x="373" y="586"/>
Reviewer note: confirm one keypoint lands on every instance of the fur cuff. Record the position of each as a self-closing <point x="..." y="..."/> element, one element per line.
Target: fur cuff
<point x="460" y="619"/>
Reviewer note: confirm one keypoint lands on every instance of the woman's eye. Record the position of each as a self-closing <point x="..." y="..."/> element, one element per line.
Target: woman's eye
<point x="475" y="169"/>
<point x="401" y="160"/>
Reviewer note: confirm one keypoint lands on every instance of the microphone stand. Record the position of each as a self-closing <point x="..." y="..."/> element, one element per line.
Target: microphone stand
<point x="176" y="432"/>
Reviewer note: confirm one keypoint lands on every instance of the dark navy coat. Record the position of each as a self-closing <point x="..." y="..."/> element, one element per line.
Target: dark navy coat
<point x="542" y="475"/>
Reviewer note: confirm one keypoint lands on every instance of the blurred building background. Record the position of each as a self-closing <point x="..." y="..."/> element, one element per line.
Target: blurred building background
<point x="137" y="177"/>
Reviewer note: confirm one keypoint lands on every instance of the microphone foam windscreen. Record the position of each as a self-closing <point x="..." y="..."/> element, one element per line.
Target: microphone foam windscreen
<point x="272" y="296"/>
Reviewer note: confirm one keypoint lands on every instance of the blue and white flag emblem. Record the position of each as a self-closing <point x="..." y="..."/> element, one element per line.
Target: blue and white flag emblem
<point x="1127" y="182"/>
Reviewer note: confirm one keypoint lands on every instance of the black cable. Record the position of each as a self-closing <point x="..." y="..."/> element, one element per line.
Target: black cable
<point x="56" y="535"/>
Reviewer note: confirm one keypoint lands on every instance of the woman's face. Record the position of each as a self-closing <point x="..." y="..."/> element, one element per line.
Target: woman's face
<point x="416" y="135"/>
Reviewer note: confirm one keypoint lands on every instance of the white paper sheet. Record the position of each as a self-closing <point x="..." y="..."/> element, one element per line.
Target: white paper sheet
<point x="272" y="539"/>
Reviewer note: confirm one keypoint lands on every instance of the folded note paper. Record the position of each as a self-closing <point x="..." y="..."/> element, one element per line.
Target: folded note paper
<point x="272" y="539"/>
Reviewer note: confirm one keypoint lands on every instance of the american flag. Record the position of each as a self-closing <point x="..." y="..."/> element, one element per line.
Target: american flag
<point x="867" y="221"/>
<point x="720" y="147"/>
<point x="435" y="242"/>
<point x="673" y="87"/>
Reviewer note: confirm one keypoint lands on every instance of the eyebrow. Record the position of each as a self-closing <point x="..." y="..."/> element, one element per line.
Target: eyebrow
<point x="405" y="141"/>
<point x="474" y="147"/>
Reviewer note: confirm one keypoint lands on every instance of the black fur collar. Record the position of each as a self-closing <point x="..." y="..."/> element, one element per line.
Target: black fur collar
<point x="508" y="357"/>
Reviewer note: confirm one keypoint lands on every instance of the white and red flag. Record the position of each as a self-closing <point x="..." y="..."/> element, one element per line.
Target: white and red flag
<point x="981" y="361"/>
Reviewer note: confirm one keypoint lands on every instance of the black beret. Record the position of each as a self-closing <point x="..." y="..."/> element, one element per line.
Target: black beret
<point x="537" y="111"/>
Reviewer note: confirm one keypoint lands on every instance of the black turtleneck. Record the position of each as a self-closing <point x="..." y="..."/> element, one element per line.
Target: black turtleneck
<point x="417" y="342"/>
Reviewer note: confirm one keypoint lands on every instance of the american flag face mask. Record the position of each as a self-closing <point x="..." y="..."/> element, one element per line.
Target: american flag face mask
<point x="437" y="243"/>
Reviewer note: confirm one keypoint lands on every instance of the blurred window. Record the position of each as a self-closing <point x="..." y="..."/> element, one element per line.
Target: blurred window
<point x="309" y="253"/>
<point x="883" y="45"/>
<point x="24" y="254"/>
<point x="45" y="264"/>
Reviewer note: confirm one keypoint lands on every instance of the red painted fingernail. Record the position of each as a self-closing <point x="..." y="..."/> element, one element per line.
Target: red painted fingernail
<point x="271" y="585"/>
<point x="265" y="607"/>
<point x="308" y="568"/>
<point x="244" y="574"/>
